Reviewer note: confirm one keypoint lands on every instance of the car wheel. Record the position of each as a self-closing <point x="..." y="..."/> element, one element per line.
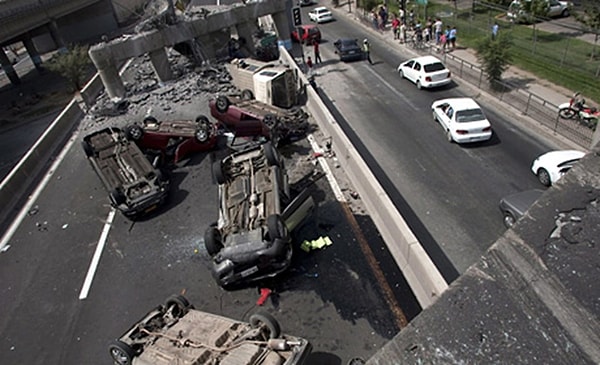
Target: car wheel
<point x="449" y="136"/>
<point x="150" y="120"/>
<point x="178" y="305"/>
<point x="87" y="148"/>
<point x="276" y="227"/>
<point x="212" y="240"/>
<point x="509" y="219"/>
<point x="117" y="197"/>
<point x="134" y="132"/>
<point x="434" y="117"/>
<point x="222" y="104"/>
<point x="201" y="134"/>
<point x="247" y="94"/>
<point x="270" y="120"/>
<point x="218" y="173"/>
<point x="565" y="13"/>
<point x="419" y="86"/>
<point x="271" y="154"/>
<point x="544" y="177"/>
<point x="121" y="353"/>
<point x="401" y="74"/>
<point x="267" y="322"/>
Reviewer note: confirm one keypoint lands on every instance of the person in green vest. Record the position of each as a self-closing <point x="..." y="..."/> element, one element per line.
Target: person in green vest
<point x="367" y="50"/>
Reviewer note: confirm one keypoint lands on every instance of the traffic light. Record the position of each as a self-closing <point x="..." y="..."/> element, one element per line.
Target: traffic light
<point x="297" y="16"/>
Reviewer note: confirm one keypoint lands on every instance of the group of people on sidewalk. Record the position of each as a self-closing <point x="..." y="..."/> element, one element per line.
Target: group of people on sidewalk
<point x="416" y="33"/>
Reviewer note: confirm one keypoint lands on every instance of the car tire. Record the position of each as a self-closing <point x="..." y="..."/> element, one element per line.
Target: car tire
<point x="434" y="117"/>
<point x="270" y="120"/>
<point x="180" y="305"/>
<point x="565" y="13"/>
<point x="134" y="132"/>
<point x="212" y="241"/>
<point x="120" y="352"/>
<point x="419" y="86"/>
<point x="247" y="94"/>
<point x="271" y="155"/>
<point x="509" y="220"/>
<point x="449" y="136"/>
<point x="218" y="173"/>
<point x="117" y="197"/>
<point x="150" y="120"/>
<point x="276" y="227"/>
<point x="267" y="322"/>
<point x="544" y="177"/>
<point x="222" y="103"/>
<point x="401" y="74"/>
<point x="87" y="148"/>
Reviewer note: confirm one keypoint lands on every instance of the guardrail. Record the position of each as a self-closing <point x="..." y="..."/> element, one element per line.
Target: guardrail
<point x="420" y="272"/>
<point x="19" y="180"/>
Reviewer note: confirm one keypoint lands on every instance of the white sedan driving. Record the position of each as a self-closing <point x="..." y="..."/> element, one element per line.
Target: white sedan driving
<point x="551" y="166"/>
<point x="320" y="15"/>
<point x="426" y="71"/>
<point x="462" y="119"/>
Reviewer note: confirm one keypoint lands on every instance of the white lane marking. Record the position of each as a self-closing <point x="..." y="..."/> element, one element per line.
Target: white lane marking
<point x="332" y="182"/>
<point x="404" y="98"/>
<point x="36" y="194"/>
<point x="96" y="259"/>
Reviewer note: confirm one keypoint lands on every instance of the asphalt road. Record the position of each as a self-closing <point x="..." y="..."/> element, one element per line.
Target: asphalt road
<point x="331" y="296"/>
<point x="453" y="189"/>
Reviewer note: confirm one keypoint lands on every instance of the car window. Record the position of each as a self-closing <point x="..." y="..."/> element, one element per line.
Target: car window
<point x="410" y="64"/>
<point x="450" y="112"/>
<point x="417" y="66"/>
<point x="433" y="67"/>
<point x="469" y="115"/>
<point x="568" y="163"/>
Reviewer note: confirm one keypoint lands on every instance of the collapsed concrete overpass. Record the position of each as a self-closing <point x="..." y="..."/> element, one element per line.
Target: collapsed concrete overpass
<point x="209" y="27"/>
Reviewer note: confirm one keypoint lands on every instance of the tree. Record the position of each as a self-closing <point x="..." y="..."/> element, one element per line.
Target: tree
<point x="590" y="19"/>
<point x="495" y="56"/>
<point x="72" y="65"/>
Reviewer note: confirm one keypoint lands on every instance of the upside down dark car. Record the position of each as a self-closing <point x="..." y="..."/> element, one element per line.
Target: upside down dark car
<point x="251" y="239"/>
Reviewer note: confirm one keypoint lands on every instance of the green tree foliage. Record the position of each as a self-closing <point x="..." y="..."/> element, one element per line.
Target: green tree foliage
<point x="72" y="65"/>
<point x="495" y="56"/>
<point x="590" y="19"/>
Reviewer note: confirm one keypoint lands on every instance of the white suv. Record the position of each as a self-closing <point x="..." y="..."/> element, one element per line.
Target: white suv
<point x="320" y="15"/>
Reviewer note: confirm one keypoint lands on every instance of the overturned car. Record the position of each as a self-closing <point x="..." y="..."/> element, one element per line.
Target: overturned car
<point x="173" y="140"/>
<point x="251" y="239"/>
<point x="246" y="117"/>
<point x="176" y="333"/>
<point x="135" y="186"/>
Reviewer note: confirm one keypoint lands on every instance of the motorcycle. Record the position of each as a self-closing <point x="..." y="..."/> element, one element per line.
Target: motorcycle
<point x="576" y="108"/>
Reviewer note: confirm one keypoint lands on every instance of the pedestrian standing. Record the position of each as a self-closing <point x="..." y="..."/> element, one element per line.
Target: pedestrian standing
<point x="309" y="65"/>
<point x="452" y="37"/>
<point x="316" y="51"/>
<point x="395" y="26"/>
<point x="495" y="30"/>
<point x="367" y="50"/>
<point x="443" y="40"/>
<point x="402" y="32"/>
<point x="375" y="19"/>
<point x="437" y="30"/>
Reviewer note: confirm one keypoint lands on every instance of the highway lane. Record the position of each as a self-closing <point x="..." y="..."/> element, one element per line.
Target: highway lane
<point x="330" y="296"/>
<point x="454" y="190"/>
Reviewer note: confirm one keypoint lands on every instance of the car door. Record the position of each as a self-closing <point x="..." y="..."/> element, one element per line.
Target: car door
<point x="415" y="72"/>
<point x="445" y="114"/>
<point x="553" y="8"/>
<point x="407" y="69"/>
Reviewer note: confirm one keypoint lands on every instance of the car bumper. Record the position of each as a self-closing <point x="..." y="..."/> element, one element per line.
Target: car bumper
<point x="472" y="138"/>
<point x="437" y="83"/>
<point x="351" y="57"/>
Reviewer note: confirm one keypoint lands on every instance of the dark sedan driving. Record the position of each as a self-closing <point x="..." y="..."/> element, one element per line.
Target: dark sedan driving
<point x="348" y="49"/>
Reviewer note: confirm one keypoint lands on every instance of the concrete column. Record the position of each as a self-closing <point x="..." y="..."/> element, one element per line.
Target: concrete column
<point x="284" y="29"/>
<point x="245" y="30"/>
<point x="33" y="54"/>
<point x="160" y="63"/>
<point x="56" y="37"/>
<point x="207" y="46"/>
<point x="107" y="69"/>
<point x="8" y="68"/>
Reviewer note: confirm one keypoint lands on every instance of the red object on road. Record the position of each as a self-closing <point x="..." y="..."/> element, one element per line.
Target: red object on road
<point x="264" y="294"/>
